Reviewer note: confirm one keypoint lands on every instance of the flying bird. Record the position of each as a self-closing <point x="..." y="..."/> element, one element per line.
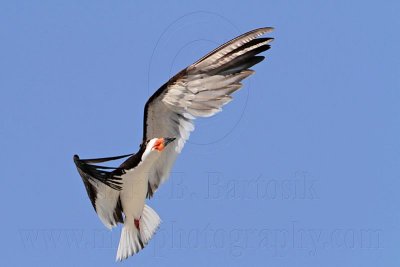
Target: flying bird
<point x="118" y="195"/>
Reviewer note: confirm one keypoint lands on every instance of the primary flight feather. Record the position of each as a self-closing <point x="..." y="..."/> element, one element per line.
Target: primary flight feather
<point x="118" y="194"/>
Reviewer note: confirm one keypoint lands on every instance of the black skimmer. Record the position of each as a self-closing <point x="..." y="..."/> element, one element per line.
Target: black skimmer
<point x="118" y="194"/>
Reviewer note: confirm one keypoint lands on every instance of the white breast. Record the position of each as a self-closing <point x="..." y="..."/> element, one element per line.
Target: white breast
<point x="135" y="186"/>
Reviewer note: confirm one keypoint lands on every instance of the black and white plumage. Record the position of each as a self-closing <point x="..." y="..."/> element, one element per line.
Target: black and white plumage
<point x="200" y="90"/>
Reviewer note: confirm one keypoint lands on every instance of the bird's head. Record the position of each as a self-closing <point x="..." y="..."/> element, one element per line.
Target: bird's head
<point x="158" y="144"/>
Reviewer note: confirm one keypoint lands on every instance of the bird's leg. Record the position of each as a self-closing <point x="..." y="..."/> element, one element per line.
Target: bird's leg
<point x="136" y="221"/>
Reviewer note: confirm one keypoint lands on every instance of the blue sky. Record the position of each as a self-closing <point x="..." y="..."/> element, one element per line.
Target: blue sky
<point x="301" y="169"/>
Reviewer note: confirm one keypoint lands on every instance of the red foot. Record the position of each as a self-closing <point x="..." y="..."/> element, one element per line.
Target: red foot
<point x="136" y="221"/>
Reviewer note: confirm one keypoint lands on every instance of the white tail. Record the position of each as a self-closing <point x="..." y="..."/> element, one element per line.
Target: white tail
<point x="149" y="223"/>
<point x="133" y="240"/>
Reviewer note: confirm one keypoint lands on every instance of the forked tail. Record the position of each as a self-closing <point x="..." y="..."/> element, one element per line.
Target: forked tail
<point x="135" y="236"/>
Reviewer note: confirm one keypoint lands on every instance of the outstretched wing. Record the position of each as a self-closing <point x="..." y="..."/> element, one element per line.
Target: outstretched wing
<point x="102" y="186"/>
<point x="200" y="90"/>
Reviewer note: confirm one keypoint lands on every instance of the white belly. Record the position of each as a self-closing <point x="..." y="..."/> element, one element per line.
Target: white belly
<point x="134" y="190"/>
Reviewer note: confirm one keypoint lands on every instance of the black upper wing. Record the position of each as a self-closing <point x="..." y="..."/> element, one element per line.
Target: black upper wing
<point x="104" y="174"/>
